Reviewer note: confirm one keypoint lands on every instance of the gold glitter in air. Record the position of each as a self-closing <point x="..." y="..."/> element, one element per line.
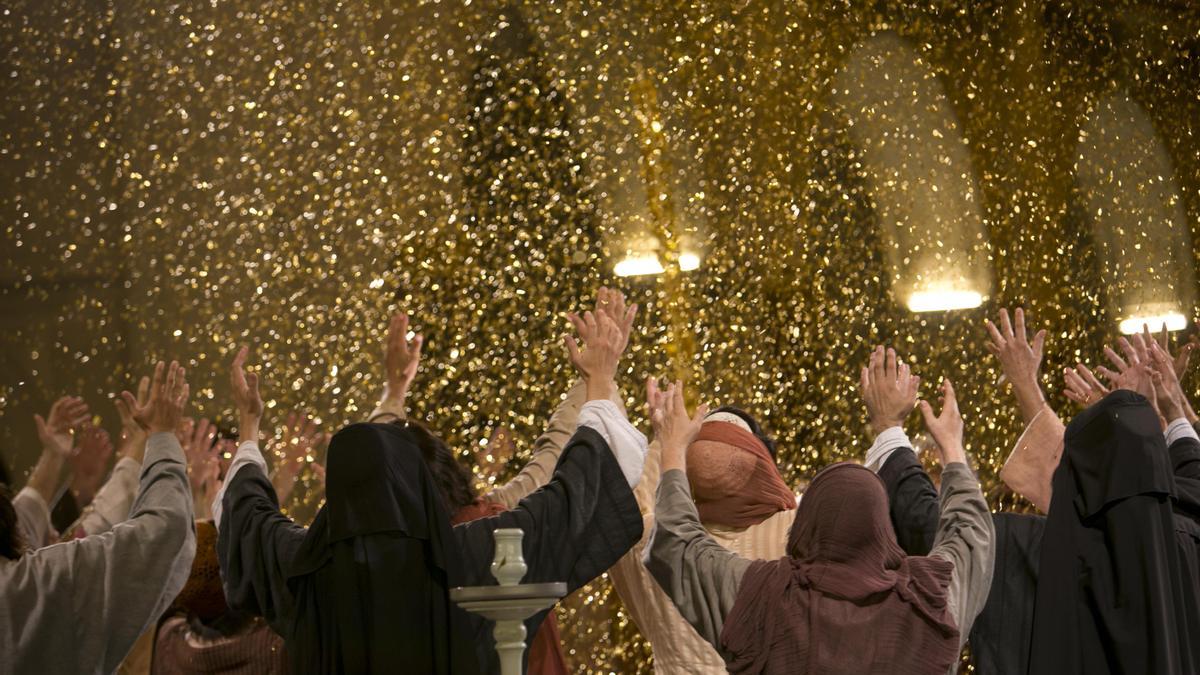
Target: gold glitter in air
<point x="182" y="178"/>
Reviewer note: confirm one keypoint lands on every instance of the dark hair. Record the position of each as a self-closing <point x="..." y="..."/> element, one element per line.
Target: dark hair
<point x="452" y="478"/>
<point x="12" y="544"/>
<point x="755" y="427"/>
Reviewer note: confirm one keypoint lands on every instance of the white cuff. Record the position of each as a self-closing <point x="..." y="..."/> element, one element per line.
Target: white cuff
<point x="247" y="454"/>
<point x="886" y="442"/>
<point x="1180" y="429"/>
<point x="628" y="444"/>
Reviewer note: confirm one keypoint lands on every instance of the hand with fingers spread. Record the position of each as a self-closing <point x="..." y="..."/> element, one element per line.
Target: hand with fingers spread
<point x="1179" y="360"/>
<point x="1168" y="392"/>
<point x="611" y="302"/>
<point x="246" y="398"/>
<point x="163" y="409"/>
<point x="1133" y="371"/>
<point x="55" y="430"/>
<point x="673" y="427"/>
<point x="1082" y="386"/>
<point x="198" y="438"/>
<point x="1020" y="360"/>
<point x="597" y="360"/>
<point x="946" y="428"/>
<point x="133" y="436"/>
<point x="298" y="443"/>
<point x="889" y="390"/>
<point x="401" y="357"/>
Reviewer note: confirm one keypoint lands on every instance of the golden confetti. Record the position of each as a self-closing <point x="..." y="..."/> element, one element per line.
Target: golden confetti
<point x="182" y="178"/>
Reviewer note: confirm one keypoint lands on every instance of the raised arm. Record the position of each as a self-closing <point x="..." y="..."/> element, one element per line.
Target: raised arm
<point x="699" y="575"/>
<point x="117" y="584"/>
<point x="255" y="541"/>
<point x="34" y="502"/>
<point x="965" y="534"/>
<point x="548" y="447"/>
<point x="401" y="359"/>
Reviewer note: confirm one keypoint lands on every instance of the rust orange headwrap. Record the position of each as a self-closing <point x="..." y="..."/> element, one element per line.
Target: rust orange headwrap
<point x="738" y="485"/>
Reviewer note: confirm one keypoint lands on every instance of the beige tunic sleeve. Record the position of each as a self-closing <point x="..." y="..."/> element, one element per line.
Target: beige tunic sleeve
<point x="699" y="575"/>
<point x="112" y="502"/>
<point x="33" y="518"/>
<point x="1030" y="468"/>
<point x="546" y="450"/>
<point x="965" y="537"/>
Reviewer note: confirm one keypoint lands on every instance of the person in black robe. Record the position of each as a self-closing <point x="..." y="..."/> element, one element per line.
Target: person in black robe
<point x="365" y="588"/>
<point x="1118" y="556"/>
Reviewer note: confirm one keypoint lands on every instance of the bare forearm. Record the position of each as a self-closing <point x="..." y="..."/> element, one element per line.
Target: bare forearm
<point x="1030" y="399"/>
<point x="600" y="388"/>
<point x="46" y="475"/>
<point x="248" y="426"/>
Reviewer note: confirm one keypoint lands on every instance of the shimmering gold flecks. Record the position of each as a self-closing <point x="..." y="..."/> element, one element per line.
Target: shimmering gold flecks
<point x="181" y="178"/>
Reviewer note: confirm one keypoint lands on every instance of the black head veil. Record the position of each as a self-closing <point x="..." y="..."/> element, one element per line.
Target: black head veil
<point x="372" y="575"/>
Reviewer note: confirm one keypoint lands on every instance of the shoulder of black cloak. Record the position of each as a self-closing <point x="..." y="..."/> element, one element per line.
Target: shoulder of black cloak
<point x="1113" y="450"/>
<point x="1001" y="633"/>
<point x="576" y="526"/>
<point x="1185" y="462"/>
<point x="256" y="545"/>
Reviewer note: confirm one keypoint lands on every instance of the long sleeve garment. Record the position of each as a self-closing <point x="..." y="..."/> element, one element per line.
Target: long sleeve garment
<point x="575" y="527"/>
<point x="1000" y="635"/>
<point x="702" y="578"/>
<point x="678" y="648"/>
<point x="112" y="502"/>
<point x="33" y="518"/>
<point x="79" y="606"/>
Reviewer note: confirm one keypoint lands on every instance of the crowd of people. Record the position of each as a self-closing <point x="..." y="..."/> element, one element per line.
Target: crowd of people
<point x="183" y="561"/>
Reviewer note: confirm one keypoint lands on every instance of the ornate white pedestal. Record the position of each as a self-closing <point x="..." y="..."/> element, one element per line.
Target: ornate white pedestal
<point x="510" y="603"/>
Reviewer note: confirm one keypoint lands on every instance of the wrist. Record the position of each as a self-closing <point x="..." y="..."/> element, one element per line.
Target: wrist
<point x="878" y="426"/>
<point x="599" y="389"/>
<point x="673" y="456"/>
<point x="248" y="428"/>
<point x="395" y="392"/>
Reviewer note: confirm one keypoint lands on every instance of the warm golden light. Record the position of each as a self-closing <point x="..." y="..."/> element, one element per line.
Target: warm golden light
<point x="638" y="265"/>
<point x="943" y="300"/>
<point x="1135" y="324"/>
<point x="689" y="261"/>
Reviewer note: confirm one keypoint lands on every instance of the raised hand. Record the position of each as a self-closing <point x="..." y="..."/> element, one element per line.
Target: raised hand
<point x="947" y="428"/>
<point x="1133" y="371"/>
<point x="401" y="358"/>
<point x="164" y="408"/>
<point x="197" y="438"/>
<point x="54" y="431"/>
<point x="611" y="302"/>
<point x="597" y="360"/>
<point x="1179" y="360"/>
<point x="89" y="463"/>
<point x="133" y="436"/>
<point x="299" y="440"/>
<point x="1020" y="359"/>
<point x="1166" y="384"/>
<point x="889" y="390"/>
<point x="1082" y="386"/>
<point x="246" y="398"/>
<point x="673" y="427"/>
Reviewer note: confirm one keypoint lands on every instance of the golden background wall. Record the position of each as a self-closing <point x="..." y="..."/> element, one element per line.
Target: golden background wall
<point x="180" y="178"/>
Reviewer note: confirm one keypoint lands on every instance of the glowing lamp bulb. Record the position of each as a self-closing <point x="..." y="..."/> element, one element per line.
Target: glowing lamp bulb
<point x="1174" y="320"/>
<point x="942" y="300"/>
<point x="638" y="265"/>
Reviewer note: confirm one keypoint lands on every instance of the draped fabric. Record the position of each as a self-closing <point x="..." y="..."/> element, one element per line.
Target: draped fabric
<point x="844" y="578"/>
<point x="1001" y="633"/>
<point x="365" y="589"/>
<point x="1117" y="588"/>
<point x="737" y="483"/>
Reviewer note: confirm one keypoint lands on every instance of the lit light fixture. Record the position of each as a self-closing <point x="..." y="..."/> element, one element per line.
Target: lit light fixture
<point x="638" y="264"/>
<point x="688" y="261"/>
<point x="1174" y="320"/>
<point x="942" y="300"/>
